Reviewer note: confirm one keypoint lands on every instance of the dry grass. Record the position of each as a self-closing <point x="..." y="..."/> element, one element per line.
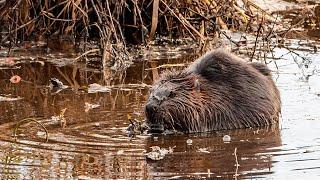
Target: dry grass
<point x="115" y="24"/>
<point x="124" y="21"/>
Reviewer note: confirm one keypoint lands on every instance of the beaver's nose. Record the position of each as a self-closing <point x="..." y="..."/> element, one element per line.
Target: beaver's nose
<point x="151" y="108"/>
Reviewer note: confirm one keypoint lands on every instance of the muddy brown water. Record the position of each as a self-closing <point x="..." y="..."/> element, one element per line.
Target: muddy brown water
<point x="92" y="143"/>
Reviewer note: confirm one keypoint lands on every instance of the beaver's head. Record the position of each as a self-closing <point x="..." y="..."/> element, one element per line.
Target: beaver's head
<point x="170" y="103"/>
<point x="218" y="91"/>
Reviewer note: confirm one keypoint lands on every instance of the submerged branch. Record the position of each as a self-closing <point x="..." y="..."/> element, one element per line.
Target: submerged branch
<point x="26" y="120"/>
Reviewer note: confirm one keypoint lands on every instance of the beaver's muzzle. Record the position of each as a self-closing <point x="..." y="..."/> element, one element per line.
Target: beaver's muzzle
<point x="155" y="123"/>
<point x="151" y="108"/>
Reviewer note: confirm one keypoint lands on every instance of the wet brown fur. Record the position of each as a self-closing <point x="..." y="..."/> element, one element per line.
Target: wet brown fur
<point x="218" y="91"/>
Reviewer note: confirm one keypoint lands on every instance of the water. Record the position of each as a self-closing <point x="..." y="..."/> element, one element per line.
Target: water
<point x="91" y="143"/>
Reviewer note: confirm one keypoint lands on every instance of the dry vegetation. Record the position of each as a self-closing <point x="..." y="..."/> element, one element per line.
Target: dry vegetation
<point x="115" y="24"/>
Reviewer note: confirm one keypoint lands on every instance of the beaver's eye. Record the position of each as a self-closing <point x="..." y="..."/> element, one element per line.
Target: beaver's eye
<point x="172" y="94"/>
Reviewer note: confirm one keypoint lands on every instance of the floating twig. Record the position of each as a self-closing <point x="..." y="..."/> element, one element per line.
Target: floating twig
<point x="26" y="120"/>
<point x="237" y="163"/>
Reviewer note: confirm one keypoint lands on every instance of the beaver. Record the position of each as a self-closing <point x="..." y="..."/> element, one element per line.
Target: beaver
<point x="219" y="91"/>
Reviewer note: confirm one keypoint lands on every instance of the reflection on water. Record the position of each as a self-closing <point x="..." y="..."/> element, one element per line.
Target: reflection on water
<point x="219" y="159"/>
<point x="92" y="144"/>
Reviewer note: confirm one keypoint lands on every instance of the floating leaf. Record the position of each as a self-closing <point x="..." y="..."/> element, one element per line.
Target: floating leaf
<point x="203" y="150"/>
<point x="158" y="153"/>
<point x="89" y="106"/>
<point x="94" y="88"/>
<point x="15" y="79"/>
<point x="2" y="98"/>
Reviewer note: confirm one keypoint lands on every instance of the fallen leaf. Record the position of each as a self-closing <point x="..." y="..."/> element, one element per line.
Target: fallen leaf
<point x="15" y="79"/>
<point x="94" y="88"/>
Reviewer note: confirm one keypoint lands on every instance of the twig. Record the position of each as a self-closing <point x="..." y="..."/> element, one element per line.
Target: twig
<point x="154" y="22"/>
<point x="112" y="25"/>
<point x="237" y="164"/>
<point x="183" y="22"/>
<point x="87" y="52"/>
<point x="256" y="41"/>
<point x="167" y="66"/>
<point x="30" y="120"/>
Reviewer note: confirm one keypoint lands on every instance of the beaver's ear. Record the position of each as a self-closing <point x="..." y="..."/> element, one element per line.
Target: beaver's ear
<point x="212" y="65"/>
<point x="212" y="71"/>
<point x="210" y="68"/>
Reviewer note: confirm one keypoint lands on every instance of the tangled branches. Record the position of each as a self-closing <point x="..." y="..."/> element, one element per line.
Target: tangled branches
<point x="114" y="24"/>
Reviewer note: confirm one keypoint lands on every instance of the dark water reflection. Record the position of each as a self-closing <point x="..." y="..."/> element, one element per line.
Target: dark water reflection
<point x="219" y="159"/>
<point x="93" y="143"/>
